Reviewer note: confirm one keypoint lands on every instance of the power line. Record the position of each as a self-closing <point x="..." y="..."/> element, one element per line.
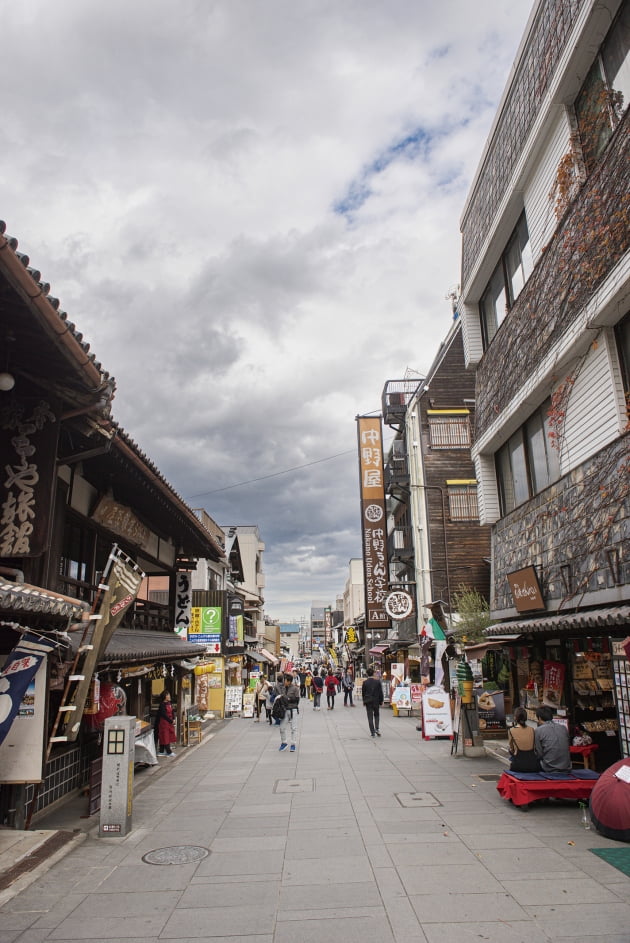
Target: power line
<point x="203" y="494"/>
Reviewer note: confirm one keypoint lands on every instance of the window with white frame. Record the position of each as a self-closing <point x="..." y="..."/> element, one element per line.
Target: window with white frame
<point x="449" y="428"/>
<point x="507" y="280"/>
<point x="603" y="97"/>
<point x="462" y="500"/>
<point x="622" y="335"/>
<point x="527" y="463"/>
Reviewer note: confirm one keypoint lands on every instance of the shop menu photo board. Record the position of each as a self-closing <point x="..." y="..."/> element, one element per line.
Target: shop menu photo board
<point x="436" y="713"/>
<point x="401" y="697"/>
<point x="491" y="710"/>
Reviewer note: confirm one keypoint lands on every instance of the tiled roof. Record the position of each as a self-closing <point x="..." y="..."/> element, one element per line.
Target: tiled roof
<point x="23" y="597"/>
<point x="131" y="645"/>
<point x="564" y="622"/>
<point x="37" y="291"/>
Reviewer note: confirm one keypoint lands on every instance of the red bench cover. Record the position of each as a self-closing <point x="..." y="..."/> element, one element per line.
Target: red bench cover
<point x="522" y="792"/>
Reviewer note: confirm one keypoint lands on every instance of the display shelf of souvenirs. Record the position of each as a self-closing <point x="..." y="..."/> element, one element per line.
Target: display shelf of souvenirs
<point x="600" y="726"/>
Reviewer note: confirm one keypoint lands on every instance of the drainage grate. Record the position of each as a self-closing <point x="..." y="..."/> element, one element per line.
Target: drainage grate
<point x="489" y="777"/>
<point x="411" y="800"/>
<point x="176" y="854"/>
<point x="294" y="785"/>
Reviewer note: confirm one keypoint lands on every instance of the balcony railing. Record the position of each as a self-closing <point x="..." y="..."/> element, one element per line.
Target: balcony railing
<point x="395" y="399"/>
<point x="400" y="544"/>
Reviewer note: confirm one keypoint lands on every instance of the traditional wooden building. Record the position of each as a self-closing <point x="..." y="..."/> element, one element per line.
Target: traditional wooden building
<point x="437" y="545"/>
<point x="75" y="485"/>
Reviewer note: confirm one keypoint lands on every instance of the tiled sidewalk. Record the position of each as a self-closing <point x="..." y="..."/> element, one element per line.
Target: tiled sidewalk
<point x="370" y="841"/>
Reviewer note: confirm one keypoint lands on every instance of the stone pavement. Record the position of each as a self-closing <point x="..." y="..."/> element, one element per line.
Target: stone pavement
<point x="364" y="840"/>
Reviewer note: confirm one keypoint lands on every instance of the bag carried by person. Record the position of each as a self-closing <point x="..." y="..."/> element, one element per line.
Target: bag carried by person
<point x="279" y="709"/>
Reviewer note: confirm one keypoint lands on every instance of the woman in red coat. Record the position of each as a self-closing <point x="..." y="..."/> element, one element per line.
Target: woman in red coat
<point x="166" y="724"/>
<point x="331" y="689"/>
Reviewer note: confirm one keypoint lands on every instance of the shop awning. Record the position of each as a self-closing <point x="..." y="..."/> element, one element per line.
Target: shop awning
<point x="258" y="656"/>
<point x="379" y="649"/>
<point x="271" y="658"/>
<point x="564" y="623"/>
<point x="479" y="650"/>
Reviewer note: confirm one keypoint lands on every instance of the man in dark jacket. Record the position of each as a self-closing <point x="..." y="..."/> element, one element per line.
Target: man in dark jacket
<point x="290" y="698"/>
<point x="372" y="694"/>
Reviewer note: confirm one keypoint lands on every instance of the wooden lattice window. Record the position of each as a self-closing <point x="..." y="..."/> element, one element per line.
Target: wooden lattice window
<point x="449" y="428"/>
<point x="462" y="500"/>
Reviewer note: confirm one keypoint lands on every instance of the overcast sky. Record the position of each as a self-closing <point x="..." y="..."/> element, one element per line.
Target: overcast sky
<point x="250" y="209"/>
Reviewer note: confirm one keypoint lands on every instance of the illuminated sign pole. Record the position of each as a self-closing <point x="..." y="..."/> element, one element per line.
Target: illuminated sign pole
<point x="373" y="522"/>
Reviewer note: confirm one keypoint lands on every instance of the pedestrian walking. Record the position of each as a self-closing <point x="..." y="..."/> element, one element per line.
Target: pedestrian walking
<point x="285" y="710"/>
<point x="165" y="721"/>
<point x="372" y="694"/>
<point x="331" y="689"/>
<point x="302" y="683"/>
<point x="348" y="688"/>
<point x="262" y="686"/>
<point x="317" y="685"/>
<point x="269" y="703"/>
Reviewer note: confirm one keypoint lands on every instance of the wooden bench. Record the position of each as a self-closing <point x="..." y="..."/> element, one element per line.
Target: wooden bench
<point x="523" y="788"/>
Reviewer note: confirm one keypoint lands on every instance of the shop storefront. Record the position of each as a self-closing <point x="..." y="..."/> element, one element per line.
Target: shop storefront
<point x="581" y="675"/>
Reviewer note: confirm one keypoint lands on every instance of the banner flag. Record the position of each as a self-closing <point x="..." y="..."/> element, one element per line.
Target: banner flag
<point x="19" y="670"/>
<point x="123" y="582"/>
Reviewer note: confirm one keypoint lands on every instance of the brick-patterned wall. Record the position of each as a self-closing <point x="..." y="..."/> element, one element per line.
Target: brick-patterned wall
<point x="574" y="521"/>
<point x="593" y="236"/>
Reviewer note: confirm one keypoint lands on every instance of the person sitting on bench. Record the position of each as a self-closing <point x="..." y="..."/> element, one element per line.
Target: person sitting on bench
<point x="521" y="744"/>
<point x="551" y="743"/>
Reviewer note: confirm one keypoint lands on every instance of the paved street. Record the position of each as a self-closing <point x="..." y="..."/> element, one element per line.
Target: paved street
<point x="348" y="838"/>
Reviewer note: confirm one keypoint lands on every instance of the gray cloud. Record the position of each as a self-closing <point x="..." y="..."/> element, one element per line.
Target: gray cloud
<point x="251" y="212"/>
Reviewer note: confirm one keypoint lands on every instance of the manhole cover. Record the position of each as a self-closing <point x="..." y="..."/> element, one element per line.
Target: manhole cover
<point x="176" y="854"/>
<point x="489" y="777"/>
<point x="411" y="800"/>
<point x="294" y="785"/>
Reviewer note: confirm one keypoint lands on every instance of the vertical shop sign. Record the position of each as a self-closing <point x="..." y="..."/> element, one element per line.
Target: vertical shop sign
<point x="235" y="624"/>
<point x="28" y="442"/>
<point x="373" y="521"/>
<point x="183" y="602"/>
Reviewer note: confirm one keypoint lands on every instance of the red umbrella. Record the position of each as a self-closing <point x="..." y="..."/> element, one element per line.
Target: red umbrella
<point x="610" y="804"/>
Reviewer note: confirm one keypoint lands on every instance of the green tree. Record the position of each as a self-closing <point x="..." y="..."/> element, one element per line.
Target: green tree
<point x="473" y="611"/>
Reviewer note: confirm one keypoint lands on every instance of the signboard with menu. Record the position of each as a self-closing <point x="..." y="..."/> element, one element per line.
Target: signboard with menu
<point x="401" y="697"/>
<point x="436" y="713"/>
<point x="491" y="710"/>
<point x="233" y="700"/>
